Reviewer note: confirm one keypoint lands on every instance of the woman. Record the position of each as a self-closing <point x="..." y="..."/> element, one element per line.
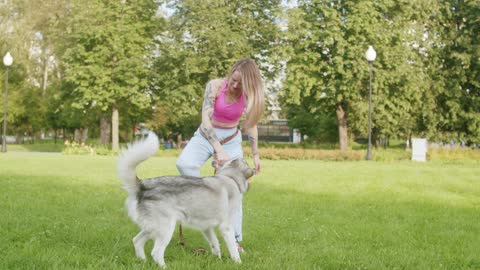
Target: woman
<point x="224" y="103"/>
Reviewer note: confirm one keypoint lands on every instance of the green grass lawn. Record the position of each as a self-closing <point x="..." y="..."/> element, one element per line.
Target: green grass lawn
<point x="67" y="212"/>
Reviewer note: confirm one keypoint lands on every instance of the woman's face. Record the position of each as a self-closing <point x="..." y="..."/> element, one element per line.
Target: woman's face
<point x="235" y="82"/>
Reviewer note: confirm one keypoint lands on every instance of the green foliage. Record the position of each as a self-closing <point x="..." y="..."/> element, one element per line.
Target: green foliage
<point x="201" y="42"/>
<point x="318" y="126"/>
<point x="106" y="62"/>
<point x="391" y="155"/>
<point x="62" y="113"/>
<point x="310" y="154"/>
<point x="453" y="155"/>
<point x="271" y="151"/>
<point x="108" y="55"/>
<point x="458" y="111"/>
<point x="73" y="148"/>
<point x="327" y="68"/>
<point x="77" y="149"/>
<point x="73" y="65"/>
<point x="26" y="106"/>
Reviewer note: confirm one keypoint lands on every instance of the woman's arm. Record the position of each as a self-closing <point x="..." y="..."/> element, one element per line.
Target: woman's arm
<point x="252" y="134"/>
<point x="207" y="111"/>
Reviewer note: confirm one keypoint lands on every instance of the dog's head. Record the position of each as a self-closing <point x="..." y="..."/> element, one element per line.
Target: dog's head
<point x="238" y="170"/>
<point x="241" y="165"/>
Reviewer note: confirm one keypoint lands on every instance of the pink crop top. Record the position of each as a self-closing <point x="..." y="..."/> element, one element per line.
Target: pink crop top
<point x="228" y="112"/>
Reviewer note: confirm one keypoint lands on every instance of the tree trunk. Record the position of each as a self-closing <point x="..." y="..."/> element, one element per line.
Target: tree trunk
<point x="408" y="143"/>
<point x="76" y="135"/>
<point x="342" y="127"/>
<point x="104" y="130"/>
<point x="378" y="138"/>
<point x="134" y="131"/>
<point x="45" y="75"/>
<point x="84" y="135"/>
<point x="179" y="140"/>
<point x="115" y="146"/>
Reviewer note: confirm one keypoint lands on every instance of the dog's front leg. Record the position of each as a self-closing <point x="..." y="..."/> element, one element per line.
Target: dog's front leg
<point x="139" y="243"/>
<point x="229" y="236"/>
<point x="211" y="238"/>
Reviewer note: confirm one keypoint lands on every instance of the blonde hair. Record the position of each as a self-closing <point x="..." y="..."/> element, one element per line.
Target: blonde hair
<point x="253" y="86"/>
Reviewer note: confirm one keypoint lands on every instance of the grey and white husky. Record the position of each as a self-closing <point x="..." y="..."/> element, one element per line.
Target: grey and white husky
<point x="157" y="204"/>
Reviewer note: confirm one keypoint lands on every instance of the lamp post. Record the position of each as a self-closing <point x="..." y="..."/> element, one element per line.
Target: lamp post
<point x="370" y="54"/>
<point x="7" y="61"/>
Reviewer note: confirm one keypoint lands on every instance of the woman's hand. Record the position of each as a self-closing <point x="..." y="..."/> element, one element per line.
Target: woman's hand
<point x="256" y="162"/>
<point x="220" y="157"/>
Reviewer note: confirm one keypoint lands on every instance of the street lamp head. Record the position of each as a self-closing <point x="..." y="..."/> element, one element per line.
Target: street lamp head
<point x="370" y="54"/>
<point x="7" y="59"/>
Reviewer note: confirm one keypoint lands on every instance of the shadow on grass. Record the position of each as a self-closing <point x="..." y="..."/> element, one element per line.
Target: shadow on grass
<point x="37" y="147"/>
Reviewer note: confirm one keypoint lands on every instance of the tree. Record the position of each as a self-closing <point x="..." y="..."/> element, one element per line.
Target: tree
<point x="28" y="25"/>
<point x="201" y="42"/>
<point x="458" y="55"/>
<point x="16" y="36"/>
<point x="108" y="56"/>
<point x="326" y="43"/>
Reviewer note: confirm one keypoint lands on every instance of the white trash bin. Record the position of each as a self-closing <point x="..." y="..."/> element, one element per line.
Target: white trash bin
<point x="419" y="149"/>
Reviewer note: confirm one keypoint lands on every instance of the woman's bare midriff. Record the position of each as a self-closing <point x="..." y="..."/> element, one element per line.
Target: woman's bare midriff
<point x="218" y="124"/>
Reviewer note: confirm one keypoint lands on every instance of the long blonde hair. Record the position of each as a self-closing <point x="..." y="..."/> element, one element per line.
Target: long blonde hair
<point x="253" y="85"/>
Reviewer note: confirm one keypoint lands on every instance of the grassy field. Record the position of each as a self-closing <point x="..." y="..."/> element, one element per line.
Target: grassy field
<point x="67" y="212"/>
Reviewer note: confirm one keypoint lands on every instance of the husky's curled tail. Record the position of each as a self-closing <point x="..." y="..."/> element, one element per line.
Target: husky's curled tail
<point x="131" y="157"/>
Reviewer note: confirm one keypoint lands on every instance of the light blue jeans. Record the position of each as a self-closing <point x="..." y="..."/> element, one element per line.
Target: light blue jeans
<point x="199" y="150"/>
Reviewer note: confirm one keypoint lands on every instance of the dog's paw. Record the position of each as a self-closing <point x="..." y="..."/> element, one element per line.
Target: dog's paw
<point x="160" y="263"/>
<point x="140" y="253"/>
<point x="217" y="253"/>
<point x="141" y="257"/>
